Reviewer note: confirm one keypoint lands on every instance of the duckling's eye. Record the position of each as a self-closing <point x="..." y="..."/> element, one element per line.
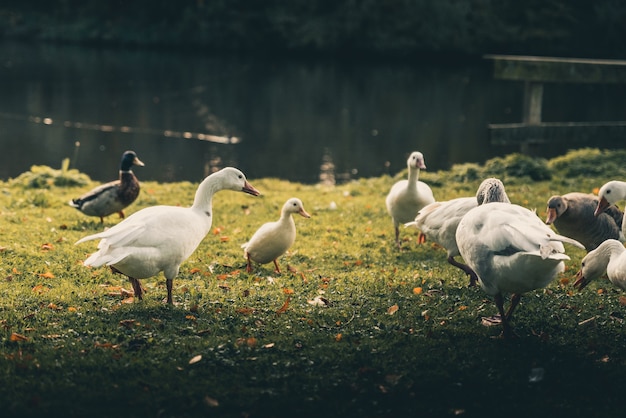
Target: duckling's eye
<point x="295" y="204"/>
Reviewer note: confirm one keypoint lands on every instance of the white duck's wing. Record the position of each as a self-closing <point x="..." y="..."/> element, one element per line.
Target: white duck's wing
<point x="512" y="226"/>
<point x="271" y="240"/>
<point x="160" y="237"/>
<point x="510" y="248"/>
<point x="439" y="221"/>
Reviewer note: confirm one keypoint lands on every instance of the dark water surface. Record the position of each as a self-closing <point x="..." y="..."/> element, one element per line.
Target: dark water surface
<point x="290" y="119"/>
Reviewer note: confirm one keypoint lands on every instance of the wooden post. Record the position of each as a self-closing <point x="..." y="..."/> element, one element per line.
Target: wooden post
<point x="533" y="97"/>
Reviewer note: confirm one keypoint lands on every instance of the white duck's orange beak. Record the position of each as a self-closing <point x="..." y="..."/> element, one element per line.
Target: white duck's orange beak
<point x="248" y="188"/>
<point x="304" y="213"/>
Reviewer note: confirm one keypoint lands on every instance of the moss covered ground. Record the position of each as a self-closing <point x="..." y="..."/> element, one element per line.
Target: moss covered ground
<point x="352" y="327"/>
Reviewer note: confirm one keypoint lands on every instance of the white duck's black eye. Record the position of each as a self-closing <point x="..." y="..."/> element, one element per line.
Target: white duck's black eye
<point x="240" y="176"/>
<point x="608" y="191"/>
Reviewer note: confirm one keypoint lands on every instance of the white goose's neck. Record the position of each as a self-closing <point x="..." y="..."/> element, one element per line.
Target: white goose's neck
<point x="414" y="174"/>
<point x="612" y="247"/>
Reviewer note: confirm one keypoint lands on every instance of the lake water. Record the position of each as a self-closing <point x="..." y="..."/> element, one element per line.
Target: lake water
<point x="284" y="118"/>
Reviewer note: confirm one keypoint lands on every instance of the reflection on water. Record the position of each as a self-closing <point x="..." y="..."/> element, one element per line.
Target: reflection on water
<point x="187" y="115"/>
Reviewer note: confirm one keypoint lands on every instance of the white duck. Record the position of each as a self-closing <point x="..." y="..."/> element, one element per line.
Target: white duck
<point x="407" y="197"/>
<point x="439" y="220"/>
<point x="610" y="259"/>
<point x="512" y="251"/>
<point x="611" y="193"/>
<point x="273" y="239"/>
<point x="160" y="238"/>
<point x="573" y="216"/>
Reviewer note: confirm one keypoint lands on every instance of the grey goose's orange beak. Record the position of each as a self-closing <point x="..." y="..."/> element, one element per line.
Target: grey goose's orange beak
<point x="602" y="205"/>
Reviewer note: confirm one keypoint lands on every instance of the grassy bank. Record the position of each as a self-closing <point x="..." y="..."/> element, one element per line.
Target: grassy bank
<point x="353" y="327"/>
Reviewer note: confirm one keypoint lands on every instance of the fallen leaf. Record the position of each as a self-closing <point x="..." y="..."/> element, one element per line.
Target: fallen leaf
<point x="251" y="342"/>
<point x="287" y="291"/>
<point x="417" y="290"/>
<point x="47" y="246"/>
<point x="245" y="311"/>
<point x="392" y="309"/>
<point x="338" y="337"/>
<point x="285" y="306"/>
<point x="40" y="289"/>
<point x="54" y="306"/>
<point x="490" y="321"/>
<point x="224" y="238"/>
<point x="106" y="345"/>
<point x="270" y="345"/>
<point x="195" y="359"/>
<point x="47" y="275"/>
<point x="18" y="337"/>
<point x="622" y="300"/>
<point x="194" y="270"/>
<point x="128" y="323"/>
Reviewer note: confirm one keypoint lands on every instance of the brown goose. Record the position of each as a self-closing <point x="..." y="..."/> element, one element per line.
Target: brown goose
<point x="572" y="215"/>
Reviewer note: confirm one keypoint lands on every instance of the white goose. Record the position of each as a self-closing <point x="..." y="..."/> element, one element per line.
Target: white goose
<point x="407" y="197"/>
<point x="160" y="238"/>
<point x="512" y="251"/>
<point x="611" y="193"/>
<point x="610" y="259"/>
<point x="439" y="220"/>
<point x="273" y="239"/>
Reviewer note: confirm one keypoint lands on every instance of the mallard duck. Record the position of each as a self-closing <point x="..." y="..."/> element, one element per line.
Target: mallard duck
<point x="608" y="258"/>
<point x="439" y="220"/>
<point x="273" y="239"/>
<point x="573" y="216"/>
<point x="160" y="238"/>
<point x="512" y="251"/>
<point x="113" y="196"/>
<point x="610" y="193"/>
<point x="407" y="197"/>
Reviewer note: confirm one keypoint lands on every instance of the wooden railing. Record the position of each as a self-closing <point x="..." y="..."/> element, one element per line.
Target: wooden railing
<point x="535" y="72"/>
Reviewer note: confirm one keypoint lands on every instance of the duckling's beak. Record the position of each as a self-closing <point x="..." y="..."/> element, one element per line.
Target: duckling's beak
<point x="602" y="205"/>
<point x="551" y="216"/>
<point x="581" y="280"/>
<point x="304" y="213"/>
<point x="138" y="162"/>
<point x="248" y="188"/>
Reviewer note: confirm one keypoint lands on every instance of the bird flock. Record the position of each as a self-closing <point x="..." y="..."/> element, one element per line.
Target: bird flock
<point x="504" y="248"/>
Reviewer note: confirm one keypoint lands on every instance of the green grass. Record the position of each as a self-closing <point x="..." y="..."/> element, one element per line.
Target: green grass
<point x="256" y="345"/>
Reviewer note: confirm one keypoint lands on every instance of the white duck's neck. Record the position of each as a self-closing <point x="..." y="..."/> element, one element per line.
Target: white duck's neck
<point x="203" y="200"/>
